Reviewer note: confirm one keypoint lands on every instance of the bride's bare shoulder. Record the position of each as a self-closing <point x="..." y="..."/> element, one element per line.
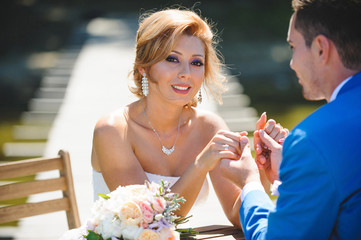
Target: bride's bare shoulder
<point x="209" y="118"/>
<point x="117" y="120"/>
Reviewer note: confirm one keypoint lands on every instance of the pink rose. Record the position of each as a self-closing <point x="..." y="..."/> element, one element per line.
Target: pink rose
<point x="145" y="206"/>
<point x="144" y="225"/>
<point x="147" y="211"/>
<point x="148" y="216"/>
<point x="159" y="205"/>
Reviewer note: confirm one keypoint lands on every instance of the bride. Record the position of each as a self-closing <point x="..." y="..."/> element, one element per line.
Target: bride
<point x="163" y="135"/>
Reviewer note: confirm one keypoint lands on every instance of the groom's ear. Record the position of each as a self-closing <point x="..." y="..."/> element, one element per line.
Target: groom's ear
<point x="321" y="46"/>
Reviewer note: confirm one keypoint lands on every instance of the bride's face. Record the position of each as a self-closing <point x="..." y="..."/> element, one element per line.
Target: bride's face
<point x="180" y="75"/>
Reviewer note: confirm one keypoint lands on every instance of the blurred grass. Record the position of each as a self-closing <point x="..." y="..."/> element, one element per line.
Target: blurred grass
<point x="7" y="121"/>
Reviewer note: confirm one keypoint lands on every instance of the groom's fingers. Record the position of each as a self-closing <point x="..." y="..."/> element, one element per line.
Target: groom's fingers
<point x="257" y="142"/>
<point x="269" y="126"/>
<point x="261" y="121"/>
<point x="261" y="163"/>
<point x="267" y="140"/>
<point x="243" y="141"/>
<point x="246" y="149"/>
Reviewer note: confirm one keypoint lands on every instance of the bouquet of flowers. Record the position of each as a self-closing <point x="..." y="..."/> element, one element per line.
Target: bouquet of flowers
<point x="142" y="212"/>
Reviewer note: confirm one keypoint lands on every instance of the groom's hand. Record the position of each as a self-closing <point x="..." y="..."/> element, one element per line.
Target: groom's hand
<point x="272" y="164"/>
<point x="274" y="130"/>
<point x="241" y="171"/>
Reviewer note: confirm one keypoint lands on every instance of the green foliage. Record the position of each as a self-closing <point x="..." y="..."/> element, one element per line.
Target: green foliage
<point x="93" y="236"/>
<point x="103" y="196"/>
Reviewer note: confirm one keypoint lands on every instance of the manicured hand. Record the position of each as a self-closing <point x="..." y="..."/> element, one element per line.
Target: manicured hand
<point x="241" y="171"/>
<point x="224" y="144"/>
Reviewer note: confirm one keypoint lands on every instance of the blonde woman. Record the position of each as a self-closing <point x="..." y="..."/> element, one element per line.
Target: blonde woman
<point x="163" y="135"/>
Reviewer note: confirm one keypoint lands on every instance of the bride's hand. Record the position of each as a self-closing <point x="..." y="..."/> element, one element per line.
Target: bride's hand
<point x="224" y="144"/>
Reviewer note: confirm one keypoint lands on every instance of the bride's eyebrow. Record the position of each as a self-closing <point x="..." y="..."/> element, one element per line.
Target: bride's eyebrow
<point x="194" y="55"/>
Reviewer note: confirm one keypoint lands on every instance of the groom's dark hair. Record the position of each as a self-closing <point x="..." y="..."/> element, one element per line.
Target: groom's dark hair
<point x="338" y="20"/>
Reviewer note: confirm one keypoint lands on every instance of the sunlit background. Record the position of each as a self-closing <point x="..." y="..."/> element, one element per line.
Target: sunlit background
<point x="253" y="34"/>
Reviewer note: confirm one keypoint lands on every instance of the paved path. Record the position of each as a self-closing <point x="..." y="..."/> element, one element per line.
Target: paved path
<point x="97" y="85"/>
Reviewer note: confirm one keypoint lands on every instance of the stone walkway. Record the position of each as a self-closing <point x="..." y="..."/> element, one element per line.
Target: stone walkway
<point x="87" y="83"/>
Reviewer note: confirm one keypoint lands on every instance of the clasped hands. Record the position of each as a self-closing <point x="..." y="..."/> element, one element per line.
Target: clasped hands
<point x="268" y="140"/>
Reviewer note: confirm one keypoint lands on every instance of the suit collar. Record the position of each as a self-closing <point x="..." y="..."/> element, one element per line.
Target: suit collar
<point x="354" y="82"/>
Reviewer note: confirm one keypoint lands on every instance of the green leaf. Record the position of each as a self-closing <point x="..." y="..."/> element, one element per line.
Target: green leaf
<point x="93" y="236"/>
<point x="181" y="220"/>
<point x="103" y="196"/>
<point x="187" y="233"/>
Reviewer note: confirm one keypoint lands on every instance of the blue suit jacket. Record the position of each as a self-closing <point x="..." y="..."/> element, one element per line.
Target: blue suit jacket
<point x="320" y="195"/>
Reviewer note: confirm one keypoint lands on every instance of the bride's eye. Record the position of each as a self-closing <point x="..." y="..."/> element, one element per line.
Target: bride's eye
<point x="171" y="59"/>
<point x="197" y="63"/>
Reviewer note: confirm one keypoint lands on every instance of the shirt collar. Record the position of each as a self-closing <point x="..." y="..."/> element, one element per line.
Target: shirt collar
<point x="338" y="88"/>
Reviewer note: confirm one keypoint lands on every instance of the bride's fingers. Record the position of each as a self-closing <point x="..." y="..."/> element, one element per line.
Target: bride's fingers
<point x="226" y="147"/>
<point x="231" y="139"/>
<point x="229" y="149"/>
<point x="232" y="135"/>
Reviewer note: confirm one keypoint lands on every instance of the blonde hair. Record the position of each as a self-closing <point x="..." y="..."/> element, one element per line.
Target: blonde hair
<point x="158" y="33"/>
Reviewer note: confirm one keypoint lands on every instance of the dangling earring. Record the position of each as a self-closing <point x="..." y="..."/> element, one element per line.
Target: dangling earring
<point x="145" y="88"/>
<point x="200" y="96"/>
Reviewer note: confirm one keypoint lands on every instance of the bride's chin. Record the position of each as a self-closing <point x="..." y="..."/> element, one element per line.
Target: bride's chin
<point x="182" y="101"/>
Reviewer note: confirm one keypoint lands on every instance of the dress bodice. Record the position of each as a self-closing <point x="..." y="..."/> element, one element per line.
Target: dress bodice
<point x="99" y="185"/>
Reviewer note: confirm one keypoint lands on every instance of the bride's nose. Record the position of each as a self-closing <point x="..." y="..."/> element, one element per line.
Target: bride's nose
<point x="184" y="72"/>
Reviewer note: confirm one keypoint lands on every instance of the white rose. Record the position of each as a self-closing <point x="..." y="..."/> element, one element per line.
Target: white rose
<point x="131" y="232"/>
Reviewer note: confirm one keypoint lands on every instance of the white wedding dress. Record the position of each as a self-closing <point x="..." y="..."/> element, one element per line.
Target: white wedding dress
<point x="100" y="187"/>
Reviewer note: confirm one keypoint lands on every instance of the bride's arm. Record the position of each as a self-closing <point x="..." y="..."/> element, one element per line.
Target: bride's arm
<point x="227" y="193"/>
<point x="113" y="155"/>
<point x="191" y="182"/>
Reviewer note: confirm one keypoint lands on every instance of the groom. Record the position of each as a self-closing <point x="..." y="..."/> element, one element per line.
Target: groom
<point x="319" y="163"/>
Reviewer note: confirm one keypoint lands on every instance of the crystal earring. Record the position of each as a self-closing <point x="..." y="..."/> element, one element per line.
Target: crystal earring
<point x="145" y="88"/>
<point x="200" y="96"/>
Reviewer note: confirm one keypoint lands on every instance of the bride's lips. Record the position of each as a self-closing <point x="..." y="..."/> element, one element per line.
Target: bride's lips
<point x="181" y="89"/>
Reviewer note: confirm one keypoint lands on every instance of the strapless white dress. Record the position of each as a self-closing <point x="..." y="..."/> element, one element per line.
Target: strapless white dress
<point x="99" y="185"/>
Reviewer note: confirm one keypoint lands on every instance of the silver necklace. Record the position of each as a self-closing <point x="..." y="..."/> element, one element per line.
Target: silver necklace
<point x="167" y="151"/>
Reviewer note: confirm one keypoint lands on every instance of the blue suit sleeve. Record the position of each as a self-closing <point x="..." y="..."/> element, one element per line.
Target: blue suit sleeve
<point x="254" y="212"/>
<point x="305" y="208"/>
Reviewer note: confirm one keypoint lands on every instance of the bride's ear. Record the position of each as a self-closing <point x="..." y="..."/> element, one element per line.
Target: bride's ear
<point x="141" y="70"/>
